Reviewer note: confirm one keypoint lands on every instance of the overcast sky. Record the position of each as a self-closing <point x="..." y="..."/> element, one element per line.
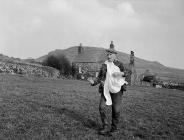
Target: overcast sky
<point x="153" y="29"/>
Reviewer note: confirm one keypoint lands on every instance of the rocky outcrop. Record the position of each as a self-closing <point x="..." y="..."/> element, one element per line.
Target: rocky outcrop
<point x="9" y="66"/>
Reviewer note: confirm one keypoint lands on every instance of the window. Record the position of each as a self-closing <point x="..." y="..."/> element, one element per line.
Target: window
<point x="96" y="75"/>
<point x="80" y="69"/>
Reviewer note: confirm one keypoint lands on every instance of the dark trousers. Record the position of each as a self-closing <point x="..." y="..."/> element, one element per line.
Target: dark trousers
<point x="116" y="108"/>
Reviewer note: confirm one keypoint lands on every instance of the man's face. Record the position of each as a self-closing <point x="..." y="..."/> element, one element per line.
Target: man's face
<point x="111" y="57"/>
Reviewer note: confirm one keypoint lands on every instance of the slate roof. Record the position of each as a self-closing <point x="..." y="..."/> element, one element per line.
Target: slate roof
<point x="91" y="55"/>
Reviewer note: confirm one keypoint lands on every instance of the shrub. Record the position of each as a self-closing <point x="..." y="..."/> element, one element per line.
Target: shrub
<point x="59" y="62"/>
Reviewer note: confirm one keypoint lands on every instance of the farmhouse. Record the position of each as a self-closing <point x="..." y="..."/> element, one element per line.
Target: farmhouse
<point x="89" y="60"/>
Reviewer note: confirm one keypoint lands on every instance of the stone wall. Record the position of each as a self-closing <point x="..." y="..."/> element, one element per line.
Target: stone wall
<point x="27" y="69"/>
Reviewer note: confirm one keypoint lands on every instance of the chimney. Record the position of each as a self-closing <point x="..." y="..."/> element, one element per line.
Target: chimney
<point x="111" y="45"/>
<point x="80" y="49"/>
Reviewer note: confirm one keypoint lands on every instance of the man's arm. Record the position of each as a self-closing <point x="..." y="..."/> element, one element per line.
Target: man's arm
<point x="101" y="75"/>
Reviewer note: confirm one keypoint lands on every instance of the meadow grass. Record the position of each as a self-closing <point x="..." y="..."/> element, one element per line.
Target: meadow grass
<point x="46" y="109"/>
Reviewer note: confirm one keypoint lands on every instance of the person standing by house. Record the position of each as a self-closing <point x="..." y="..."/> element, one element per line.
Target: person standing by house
<point x="112" y="83"/>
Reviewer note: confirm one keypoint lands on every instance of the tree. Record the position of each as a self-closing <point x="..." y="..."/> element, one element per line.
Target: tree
<point x="59" y="62"/>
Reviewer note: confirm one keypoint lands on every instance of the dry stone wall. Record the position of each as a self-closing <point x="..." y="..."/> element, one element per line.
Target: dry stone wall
<point x="27" y="69"/>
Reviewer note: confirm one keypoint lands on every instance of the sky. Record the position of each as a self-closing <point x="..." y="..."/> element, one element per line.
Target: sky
<point x="153" y="29"/>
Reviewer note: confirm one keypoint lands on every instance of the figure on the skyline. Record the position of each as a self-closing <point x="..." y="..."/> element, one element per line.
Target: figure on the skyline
<point x="133" y="70"/>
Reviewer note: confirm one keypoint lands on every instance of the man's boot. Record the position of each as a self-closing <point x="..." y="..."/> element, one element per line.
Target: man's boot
<point x="104" y="130"/>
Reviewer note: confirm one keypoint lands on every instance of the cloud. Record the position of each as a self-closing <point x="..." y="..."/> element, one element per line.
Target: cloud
<point x="126" y="8"/>
<point x="84" y="16"/>
<point x="59" y="6"/>
<point x="63" y="23"/>
<point x="45" y="25"/>
<point x="92" y="21"/>
<point x="93" y="12"/>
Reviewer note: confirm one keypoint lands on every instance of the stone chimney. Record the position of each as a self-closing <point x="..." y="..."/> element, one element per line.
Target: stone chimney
<point x="80" y="49"/>
<point x="111" y="45"/>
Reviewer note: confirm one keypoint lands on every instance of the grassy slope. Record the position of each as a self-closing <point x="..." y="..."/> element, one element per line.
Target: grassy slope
<point x="37" y="108"/>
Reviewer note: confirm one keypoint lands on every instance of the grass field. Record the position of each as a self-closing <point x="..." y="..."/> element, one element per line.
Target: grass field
<point x="46" y="109"/>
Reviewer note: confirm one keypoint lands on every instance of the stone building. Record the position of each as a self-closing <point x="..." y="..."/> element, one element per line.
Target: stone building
<point x="88" y="61"/>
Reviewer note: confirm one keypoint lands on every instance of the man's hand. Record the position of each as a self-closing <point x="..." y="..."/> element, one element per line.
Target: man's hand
<point x="102" y="82"/>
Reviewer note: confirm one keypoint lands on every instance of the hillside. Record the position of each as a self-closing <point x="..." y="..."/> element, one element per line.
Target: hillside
<point x="35" y="108"/>
<point x="163" y="72"/>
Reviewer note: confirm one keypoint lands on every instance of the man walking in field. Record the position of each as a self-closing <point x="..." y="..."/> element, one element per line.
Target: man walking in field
<point x="112" y="82"/>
